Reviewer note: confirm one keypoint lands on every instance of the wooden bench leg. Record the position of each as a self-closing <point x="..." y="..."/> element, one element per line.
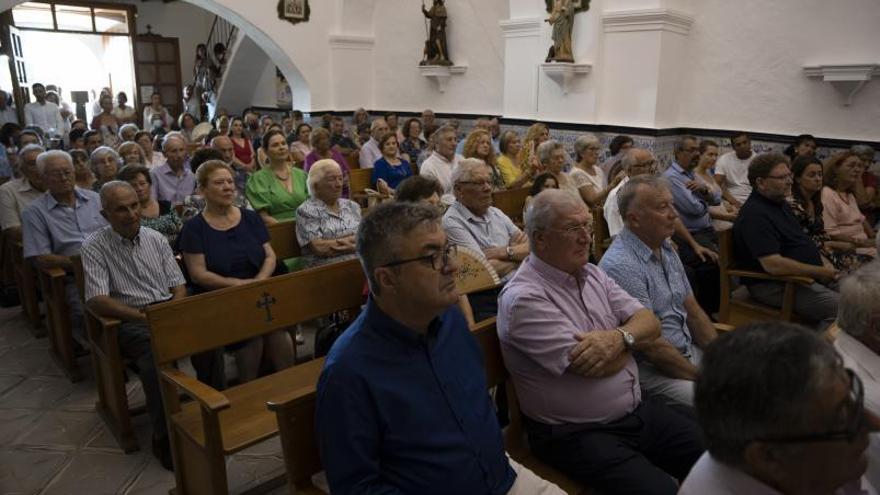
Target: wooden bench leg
<point x="196" y="470"/>
<point x="58" y="322"/>
<point x="112" y="404"/>
<point x="26" y="284"/>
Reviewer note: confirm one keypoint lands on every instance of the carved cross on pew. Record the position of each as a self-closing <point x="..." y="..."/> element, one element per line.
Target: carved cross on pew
<point x="265" y="302"/>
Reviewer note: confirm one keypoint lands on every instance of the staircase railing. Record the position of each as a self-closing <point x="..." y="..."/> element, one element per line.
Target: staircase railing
<point x="224" y="33"/>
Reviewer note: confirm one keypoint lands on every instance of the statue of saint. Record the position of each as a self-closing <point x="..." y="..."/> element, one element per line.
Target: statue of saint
<point x="562" y="20"/>
<point x="436" y="50"/>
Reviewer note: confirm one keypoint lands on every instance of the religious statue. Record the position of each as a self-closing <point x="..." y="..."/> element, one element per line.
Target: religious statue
<point x="562" y="19"/>
<point x="436" y="50"/>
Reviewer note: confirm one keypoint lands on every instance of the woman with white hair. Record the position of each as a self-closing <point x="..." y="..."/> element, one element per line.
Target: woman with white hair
<point x="552" y="159"/>
<point x="326" y="223"/>
<point x="586" y="175"/>
<point x="105" y="164"/>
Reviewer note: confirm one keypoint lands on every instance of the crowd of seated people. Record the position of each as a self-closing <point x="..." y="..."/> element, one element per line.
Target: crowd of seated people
<point x="617" y="364"/>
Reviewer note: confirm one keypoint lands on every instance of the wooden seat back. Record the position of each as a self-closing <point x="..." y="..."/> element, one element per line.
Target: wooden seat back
<point x="27" y="285"/>
<point x="474" y="272"/>
<point x="359" y="181"/>
<point x="601" y="238"/>
<point x="511" y="202"/>
<point x="239" y="313"/>
<point x="282" y="237"/>
<point x="353" y="160"/>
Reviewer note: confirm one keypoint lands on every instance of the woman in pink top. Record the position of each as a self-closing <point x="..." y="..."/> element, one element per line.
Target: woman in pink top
<point x="843" y="220"/>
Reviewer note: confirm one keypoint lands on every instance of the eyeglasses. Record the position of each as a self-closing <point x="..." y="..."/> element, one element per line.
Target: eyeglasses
<point x="58" y="174"/>
<point x="438" y="259"/>
<point x="478" y="183"/>
<point x="853" y="425"/>
<point x="575" y="230"/>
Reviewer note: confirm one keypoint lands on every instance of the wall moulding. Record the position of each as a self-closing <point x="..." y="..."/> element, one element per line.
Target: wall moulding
<point x="564" y="73"/>
<point x="521" y="28"/>
<point x="441" y="73"/>
<point x="351" y="42"/>
<point x="624" y="21"/>
<point x="847" y="79"/>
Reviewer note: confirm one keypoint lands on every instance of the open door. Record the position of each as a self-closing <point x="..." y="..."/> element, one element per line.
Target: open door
<point x="21" y="91"/>
<point x="157" y="69"/>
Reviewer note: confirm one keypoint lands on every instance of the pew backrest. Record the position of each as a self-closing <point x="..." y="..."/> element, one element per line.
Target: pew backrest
<point x="511" y="202"/>
<point x="282" y="237"/>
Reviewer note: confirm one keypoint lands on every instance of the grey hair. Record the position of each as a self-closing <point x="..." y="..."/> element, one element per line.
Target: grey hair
<point x="385" y="229"/>
<point x="376" y="124"/>
<point x="30" y="148"/>
<point x="318" y="171"/>
<point x="859" y="293"/>
<point x="111" y="186"/>
<point x="545" y="207"/>
<point x="627" y="194"/>
<point x="101" y="151"/>
<point x="444" y="129"/>
<point x="863" y="150"/>
<point x="630" y="158"/>
<point x="680" y="142"/>
<point x="45" y="157"/>
<point x="583" y="142"/>
<point x="756" y="382"/>
<point x="125" y="127"/>
<point x="465" y="169"/>
<point x="546" y="149"/>
<point x="172" y="135"/>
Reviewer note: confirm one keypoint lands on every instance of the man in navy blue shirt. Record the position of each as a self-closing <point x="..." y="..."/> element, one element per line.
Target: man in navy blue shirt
<point x="402" y="403"/>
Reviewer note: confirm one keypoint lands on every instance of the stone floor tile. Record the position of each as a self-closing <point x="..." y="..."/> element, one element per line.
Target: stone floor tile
<point x="97" y="474"/>
<point x="15" y="422"/>
<point x="23" y="471"/>
<point x="245" y="472"/>
<point x="37" y="393"/>
<point x="7" y="382"/>
<point x="82" y="397"/>
<point x="153" y="480"/>
<point x="60" y="430"/>
<point x="14" y="334"/>
<point x="29" y="361"/>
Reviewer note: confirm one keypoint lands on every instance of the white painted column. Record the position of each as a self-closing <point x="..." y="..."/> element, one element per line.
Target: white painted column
<point x="351" y="71"/>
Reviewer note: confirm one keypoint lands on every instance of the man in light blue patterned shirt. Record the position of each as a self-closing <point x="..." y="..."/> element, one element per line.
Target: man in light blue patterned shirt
<point x="642" y="261"/>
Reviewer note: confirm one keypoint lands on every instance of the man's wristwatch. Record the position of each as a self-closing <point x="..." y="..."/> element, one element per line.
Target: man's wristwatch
<point x="628" y="340"/>
<point x="509" y="253"/>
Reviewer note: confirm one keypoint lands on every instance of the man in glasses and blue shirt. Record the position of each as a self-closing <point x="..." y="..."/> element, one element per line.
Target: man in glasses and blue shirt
<point x="402" y="401"/>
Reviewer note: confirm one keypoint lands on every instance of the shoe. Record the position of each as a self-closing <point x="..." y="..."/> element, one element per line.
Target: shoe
<point x="162" y="451"/>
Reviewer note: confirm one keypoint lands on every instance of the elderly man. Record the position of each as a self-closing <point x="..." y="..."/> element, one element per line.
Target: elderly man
<point x="780" y="415"/>
<point x="481" y="123"/>
<point x="402" y="404"/>
<point x="443" y="161"/>
<point x="859" y="342"/>
<point x="43" y="113"/>
<point x="474" y="223"/>
<point x="17" y="194"/>
<point x="173" y="181"/>
<point x="642" y="261"/>
<point x="55" y="224"/>
<point x="223" y="144"/>
<point x="635" y="162"/>
<point x="93" y="140"/>
<point x="567" y="334"/>
<point x="127" y="268"/>
<point x="370" y="151"/>
<point x="768" y="238"/>
<point x="732" y="170"/>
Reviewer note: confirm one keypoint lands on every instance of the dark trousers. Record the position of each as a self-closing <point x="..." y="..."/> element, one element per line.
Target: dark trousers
<point x="640" y="453"/>
<point x="704" y="276"/>
<point x="134" y="343"/>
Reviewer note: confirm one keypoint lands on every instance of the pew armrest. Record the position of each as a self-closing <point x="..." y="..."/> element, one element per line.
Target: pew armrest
<point x="206" y="395"/>
<point x="104" y="321"/>
<point x="723" y="327"/>
<point x="292" y="398"/>
<point x="766" y="276"/>
<point x="53" y="273"/>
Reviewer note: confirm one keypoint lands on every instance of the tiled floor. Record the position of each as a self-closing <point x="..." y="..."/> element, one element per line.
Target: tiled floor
<point x="53" y="442"/>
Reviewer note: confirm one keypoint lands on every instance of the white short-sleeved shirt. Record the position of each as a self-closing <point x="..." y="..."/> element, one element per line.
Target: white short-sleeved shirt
<point x="736" y="174"/>
<point x="611" y="212"/>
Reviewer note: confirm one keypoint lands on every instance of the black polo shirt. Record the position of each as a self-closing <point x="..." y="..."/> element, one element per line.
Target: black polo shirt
<point x="764" y="228"/>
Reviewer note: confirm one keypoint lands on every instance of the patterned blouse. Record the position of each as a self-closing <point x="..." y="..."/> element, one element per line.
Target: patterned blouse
<point x="314" y="220"/>
<point x="167" y="223"/>
<point x="813" y="225"/>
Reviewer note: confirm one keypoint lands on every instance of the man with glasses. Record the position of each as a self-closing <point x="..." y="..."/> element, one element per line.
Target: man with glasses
<point x="642" y="261"/>
<point x="55" y="225"/>
<point x="402" y="402"/>
<point x="780" y="415"/>
<point x="767" y="237"/>
<point x="471" y="221"/>
<point x="568" y="333"/>
<point x="635" y="162"/>
<point x="17" y="194"/>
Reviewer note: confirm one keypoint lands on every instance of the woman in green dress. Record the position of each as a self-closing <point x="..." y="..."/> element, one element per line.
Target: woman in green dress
<point x="277" y="190"/>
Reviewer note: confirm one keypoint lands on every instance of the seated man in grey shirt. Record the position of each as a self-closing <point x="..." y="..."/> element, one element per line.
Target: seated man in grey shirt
<point x="472" y="222"/>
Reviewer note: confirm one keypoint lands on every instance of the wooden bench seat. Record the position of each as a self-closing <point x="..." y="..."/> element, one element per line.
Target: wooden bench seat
<point x="216" y="424"/>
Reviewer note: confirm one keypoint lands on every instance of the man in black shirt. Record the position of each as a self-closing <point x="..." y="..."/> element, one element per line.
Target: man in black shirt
<point x="767" y="237"/>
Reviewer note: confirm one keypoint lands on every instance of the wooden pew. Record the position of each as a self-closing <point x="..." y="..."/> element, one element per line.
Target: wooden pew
<point x="737" y="308"/>
<point x="26" y="283"/>
<point x="359" y="182"/>
<point x="109" y="366"/>
<point x="52" y="282"/>
<point x="216" y="424"/>
<point x="601" y="238"/>
<point x="282" y="237"/>
<point x="296" y="422"/>
<point x="511" y="202"/>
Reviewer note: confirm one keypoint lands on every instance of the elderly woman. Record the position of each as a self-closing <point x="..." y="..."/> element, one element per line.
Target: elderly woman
<point x="321" y="150"/>
<point x="131" y="154"/>
<point x="157" y="215"/>
<point x="277" y="191"/>
<point x="226" y="246"/>
<point x="301" y="147"/>
<point x="552" y="158"/>
<point x="586" y="175"/>
<point x="843" y="220"/>
<point x="527" y="159"/>
<point x="390" y="170"/>
<point x="479" y="145"/>
<point x="326" y="223"/>
<point x="105" y="164"/>
<point x="241" y="146"/>
<point x="105" y="122"/>
<point x="152" y="157"/>
<point x="127" y="132"/>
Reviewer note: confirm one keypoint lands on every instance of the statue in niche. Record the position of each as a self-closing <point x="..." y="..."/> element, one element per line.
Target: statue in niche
<point x="436" y="50"/>
<point x="562" y="19"/>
